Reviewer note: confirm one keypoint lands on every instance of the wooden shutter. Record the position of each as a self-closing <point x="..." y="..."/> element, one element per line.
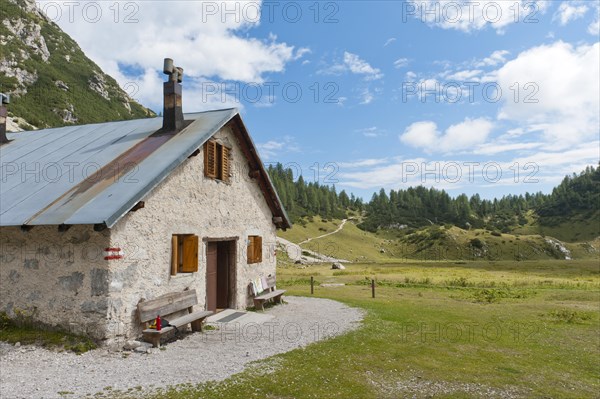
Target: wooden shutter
<point x="254" y="249"/>
<point x="257" y="249"/>
<point x="174" y="255"/>
<point x="225" y="164"/>
<point x="190" y="254"/>
<point x="250" y="252"/>
<point x="210" y="159"/>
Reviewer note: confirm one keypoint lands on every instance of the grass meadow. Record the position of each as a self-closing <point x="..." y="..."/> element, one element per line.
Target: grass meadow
<point x="443" y="330"/>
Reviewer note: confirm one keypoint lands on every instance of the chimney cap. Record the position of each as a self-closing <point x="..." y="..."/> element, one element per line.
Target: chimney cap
<point x="168" y="67"/>
<point x="5" y="98"/>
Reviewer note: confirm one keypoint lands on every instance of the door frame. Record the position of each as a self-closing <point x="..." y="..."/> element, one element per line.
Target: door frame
<point x="232" y="268"/>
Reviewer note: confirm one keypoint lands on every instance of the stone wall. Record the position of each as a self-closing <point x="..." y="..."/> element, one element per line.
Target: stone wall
<point x="188" y="203"/>
<point x="57" y="279"/>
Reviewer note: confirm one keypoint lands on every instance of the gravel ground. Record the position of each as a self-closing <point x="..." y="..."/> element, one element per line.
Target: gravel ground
<point x="32" y="372"/>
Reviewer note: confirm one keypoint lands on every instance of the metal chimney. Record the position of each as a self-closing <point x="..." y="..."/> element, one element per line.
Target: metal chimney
<point x="172" y="110"/>
<point x="3" y="115"/>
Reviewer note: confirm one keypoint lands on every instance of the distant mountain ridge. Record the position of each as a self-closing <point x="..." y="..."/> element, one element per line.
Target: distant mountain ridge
<point x="50" y="80"/>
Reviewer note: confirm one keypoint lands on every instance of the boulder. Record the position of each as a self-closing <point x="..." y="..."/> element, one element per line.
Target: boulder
<point x="338" y="266"/>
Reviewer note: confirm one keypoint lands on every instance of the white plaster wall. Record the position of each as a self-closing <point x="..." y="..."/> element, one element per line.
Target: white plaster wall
<point x="188" y="203"/>
<point x="58" y="279"/>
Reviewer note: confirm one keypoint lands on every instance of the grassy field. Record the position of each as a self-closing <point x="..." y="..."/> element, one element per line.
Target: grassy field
<point x="435" y="330"/>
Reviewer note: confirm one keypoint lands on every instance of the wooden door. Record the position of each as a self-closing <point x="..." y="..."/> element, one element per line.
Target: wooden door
<point x="223" y="275"/>
<point x="211" y="276"/>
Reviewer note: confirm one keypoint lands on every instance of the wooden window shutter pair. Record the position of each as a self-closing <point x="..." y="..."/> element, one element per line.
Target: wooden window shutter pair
<point x="216" y="161"/>
<point x="184" y="254"/>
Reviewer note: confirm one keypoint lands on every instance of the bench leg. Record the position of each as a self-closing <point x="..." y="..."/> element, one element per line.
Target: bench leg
<point x="258" y="304"/>
<point x="197" y="325"/>
<point x="278" y="298"/>
<point x="154" y="340"/>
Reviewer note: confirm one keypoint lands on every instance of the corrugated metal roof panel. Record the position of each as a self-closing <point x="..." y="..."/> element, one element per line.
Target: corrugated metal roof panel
<point x="45" y="175"/>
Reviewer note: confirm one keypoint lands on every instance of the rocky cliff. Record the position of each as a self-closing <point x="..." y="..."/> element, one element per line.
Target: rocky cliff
<point x="50" y="79"/>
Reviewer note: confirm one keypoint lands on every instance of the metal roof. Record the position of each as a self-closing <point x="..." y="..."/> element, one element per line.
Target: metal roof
<point x="94" y="174"/>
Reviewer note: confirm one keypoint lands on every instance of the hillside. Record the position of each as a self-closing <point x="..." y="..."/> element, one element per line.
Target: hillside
<point x="50" y="80"/>
<point x="432" y="243"/>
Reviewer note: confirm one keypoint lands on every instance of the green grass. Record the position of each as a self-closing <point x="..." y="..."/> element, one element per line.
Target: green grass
<point x="456" y="340"/>
<point x="312" y="227"/>
<point x="581" y="227"/>
<point x="13" y="332"/>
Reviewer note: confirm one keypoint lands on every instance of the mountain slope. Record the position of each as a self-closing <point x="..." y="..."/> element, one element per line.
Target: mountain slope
<point x="50" y="80"/>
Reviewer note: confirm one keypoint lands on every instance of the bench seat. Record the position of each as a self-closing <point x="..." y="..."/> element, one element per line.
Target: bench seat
<point x="270" y="295"/>
<point x="179" y="322"/>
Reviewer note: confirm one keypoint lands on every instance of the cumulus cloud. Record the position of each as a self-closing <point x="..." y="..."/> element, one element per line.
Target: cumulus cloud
<point x="465" y="135"/>
<point x="469" y="16"/>
<point x="570" y="11"/>
<point x="558" y="99"/>
<point x="200" y="36"/>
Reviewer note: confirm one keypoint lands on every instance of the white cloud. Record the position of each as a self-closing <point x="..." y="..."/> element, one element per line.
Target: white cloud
<point x="465" y="135"/>
<point x="361" y="163"/>
<point x="534" y="171"/>
<point x="367" y="97"/>
<point x="354" y="64"/>
<point x="206" y="44"/>
<point x="400" y="63"/>
<point x="421" y="134"/>
<point x="470" y="75"/>
<point x="468" y="16"/>
<point x="272" y="148"/>
<point x="372" y="132"/>
<point x="497" y="148"/>
<point x="559" y="94"/>
<point x="389" y="41"/>
<point x="359" y="66"/>
<point x="594" y="27"/>
<point x="570" y="11"/>
<point x="497" y="57"/>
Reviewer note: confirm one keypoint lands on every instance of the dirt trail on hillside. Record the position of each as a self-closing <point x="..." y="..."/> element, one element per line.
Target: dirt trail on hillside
<point x="294" y="251"/>
<point x="340" y="227"/>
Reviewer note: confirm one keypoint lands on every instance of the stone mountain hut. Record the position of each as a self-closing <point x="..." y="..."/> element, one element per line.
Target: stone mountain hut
<point x="96" y="218"/>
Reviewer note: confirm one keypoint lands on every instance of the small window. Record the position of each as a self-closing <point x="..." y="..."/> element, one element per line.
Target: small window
<point x="216" y="161"/>
<point x="184" y="254"/>
<point x="254" y="249"/>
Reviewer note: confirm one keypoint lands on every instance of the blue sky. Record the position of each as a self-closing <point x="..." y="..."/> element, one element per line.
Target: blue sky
<point x="501" y="99"/>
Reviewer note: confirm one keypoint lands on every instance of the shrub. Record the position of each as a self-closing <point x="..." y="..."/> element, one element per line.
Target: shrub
<point x="477" y="243"/>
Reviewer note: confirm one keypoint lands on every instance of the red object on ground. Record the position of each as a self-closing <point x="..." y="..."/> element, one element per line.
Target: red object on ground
<point x="158" y="326"/>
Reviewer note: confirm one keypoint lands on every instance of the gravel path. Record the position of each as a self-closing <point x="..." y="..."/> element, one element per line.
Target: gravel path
<point x="32" y="372"/>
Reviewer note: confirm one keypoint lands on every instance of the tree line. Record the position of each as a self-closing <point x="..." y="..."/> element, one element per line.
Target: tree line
<point x="302" y="199"/>
<point x="420" y="206"/>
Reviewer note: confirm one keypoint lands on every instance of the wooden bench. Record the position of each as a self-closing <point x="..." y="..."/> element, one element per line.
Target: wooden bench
<point x="169" y="304"/>
<point x="269" y="293"/>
